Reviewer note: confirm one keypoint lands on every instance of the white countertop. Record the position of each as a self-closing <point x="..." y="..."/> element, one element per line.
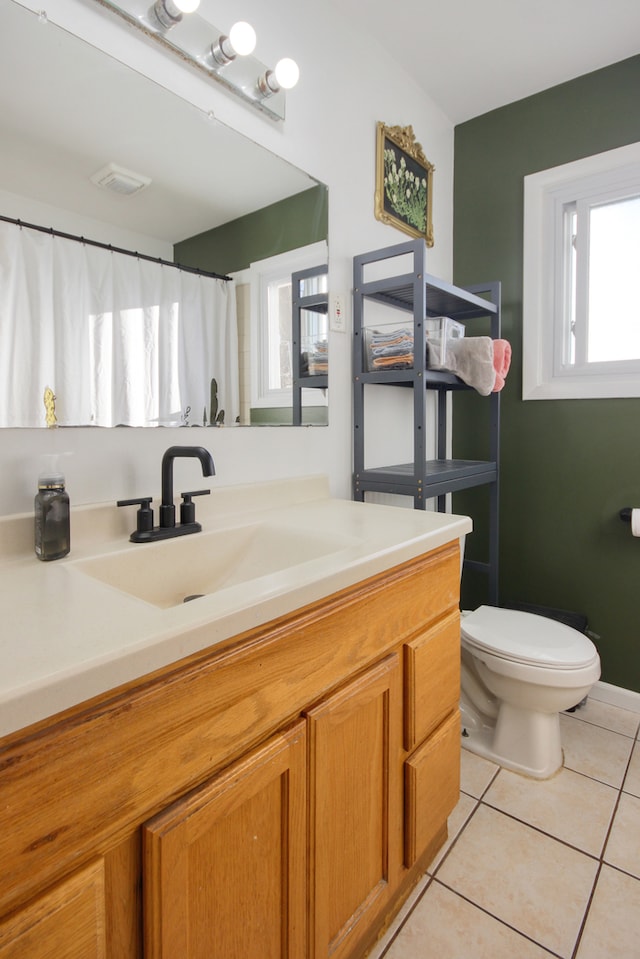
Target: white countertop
<point x="65" y="636"/>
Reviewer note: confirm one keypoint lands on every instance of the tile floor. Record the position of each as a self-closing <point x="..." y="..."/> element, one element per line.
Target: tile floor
<point x="537" y="869"/>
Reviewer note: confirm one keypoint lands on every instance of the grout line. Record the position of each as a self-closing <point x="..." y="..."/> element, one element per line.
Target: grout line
<point x="498" y="919"/>
<point x="586" y="911"/>
<point x="590" y="722"/>
<point x="542" y="832"/>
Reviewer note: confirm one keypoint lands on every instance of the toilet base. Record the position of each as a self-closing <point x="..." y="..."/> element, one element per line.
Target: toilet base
<point x="522" y="740"/>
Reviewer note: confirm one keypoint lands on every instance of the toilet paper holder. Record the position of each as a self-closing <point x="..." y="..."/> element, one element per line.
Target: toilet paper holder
<point x="625" y="514"/>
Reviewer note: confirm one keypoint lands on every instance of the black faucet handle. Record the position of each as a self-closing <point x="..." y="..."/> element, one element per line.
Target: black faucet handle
<point x="144" y="514"/>
<point x="188" y="507"/>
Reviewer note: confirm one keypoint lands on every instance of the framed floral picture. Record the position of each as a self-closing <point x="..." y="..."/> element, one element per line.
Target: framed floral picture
<point x="404" y="182"/>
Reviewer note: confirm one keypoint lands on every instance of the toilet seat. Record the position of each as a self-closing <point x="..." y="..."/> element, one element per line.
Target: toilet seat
<point x="526" y="638"/>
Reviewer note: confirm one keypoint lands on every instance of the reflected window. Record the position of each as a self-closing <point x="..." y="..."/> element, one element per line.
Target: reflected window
<point x="265" y="333"/>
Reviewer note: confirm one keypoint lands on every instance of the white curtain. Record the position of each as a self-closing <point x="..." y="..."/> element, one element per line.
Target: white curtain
<point x="119" y="340"/>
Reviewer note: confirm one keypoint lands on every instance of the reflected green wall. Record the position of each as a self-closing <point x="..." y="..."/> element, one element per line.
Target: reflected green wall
<point x="297" y="221"/>
<point x="568" y="466"/>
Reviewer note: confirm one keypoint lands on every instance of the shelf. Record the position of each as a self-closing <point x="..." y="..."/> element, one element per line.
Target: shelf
<point x="436" y="479"/>
<point x="423" y="296"/>
<point x="319" y="381"/>
<point x="430" y="379"/>
<point x="441" y="298"/>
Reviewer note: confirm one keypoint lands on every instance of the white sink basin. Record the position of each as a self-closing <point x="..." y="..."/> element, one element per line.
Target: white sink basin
<point x="171" y="572"/>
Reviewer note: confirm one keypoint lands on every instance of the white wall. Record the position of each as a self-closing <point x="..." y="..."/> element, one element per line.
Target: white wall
<point x="346" y="85"/>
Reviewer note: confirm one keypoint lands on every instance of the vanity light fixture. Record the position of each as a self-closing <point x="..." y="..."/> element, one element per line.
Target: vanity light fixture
<point x="226" y="58"/>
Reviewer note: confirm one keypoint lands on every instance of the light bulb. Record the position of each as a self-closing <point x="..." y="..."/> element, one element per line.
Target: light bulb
<point x="243" y="38"/>
<point x="287" y="73"/>
<point x="167" y="13"/>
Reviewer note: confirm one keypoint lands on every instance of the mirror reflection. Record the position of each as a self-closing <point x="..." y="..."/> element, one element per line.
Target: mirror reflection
<point x="216" y="203"/>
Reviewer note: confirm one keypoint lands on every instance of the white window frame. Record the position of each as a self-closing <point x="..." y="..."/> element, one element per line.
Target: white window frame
<point x="259" y="275"/>
<point x="545" y="375"/>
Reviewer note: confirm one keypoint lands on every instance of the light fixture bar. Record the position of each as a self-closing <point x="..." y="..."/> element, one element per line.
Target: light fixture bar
<point x="204" y="47"/>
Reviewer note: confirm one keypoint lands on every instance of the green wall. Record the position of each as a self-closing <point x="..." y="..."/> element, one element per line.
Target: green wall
<point x="568" y="466"/>
<point x="297" y="221"/>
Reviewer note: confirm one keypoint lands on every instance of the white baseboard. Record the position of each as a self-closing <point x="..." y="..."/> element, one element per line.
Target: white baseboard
<point x="616" y="696"/>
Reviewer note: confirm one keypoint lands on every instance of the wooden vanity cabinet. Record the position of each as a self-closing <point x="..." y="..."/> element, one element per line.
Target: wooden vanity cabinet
<point x="275" y="796"/>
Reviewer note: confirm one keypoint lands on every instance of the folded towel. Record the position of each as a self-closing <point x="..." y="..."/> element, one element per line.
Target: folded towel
<point x="501" y="362"/>
<point x="471" y="358"/>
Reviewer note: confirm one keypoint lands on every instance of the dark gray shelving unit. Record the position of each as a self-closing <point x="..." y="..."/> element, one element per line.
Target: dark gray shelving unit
<point x="423" y="296"/>
<point x="308" y="295"/>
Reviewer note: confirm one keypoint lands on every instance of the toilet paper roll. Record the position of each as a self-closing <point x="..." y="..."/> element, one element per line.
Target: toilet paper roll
<point x="635" y="522"/>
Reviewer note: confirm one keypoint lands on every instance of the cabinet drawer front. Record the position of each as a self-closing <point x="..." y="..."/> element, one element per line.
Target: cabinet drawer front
<point x="432" y="678"/>
<point x="432" y="787"/>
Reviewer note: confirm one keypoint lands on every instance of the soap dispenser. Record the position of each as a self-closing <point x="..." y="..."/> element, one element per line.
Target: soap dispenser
<point x="51" y="505"/>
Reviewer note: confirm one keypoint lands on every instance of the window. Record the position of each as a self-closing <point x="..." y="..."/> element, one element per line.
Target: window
<point x="271" y="368"/>
<point x="581" y="310"/>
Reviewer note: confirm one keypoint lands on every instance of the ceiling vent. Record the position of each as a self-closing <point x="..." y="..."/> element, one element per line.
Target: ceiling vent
<point x="118" y="180"/>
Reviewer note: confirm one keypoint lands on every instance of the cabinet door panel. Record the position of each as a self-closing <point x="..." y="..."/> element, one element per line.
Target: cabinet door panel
<point x="432" y="678"/>
<point x="432" y="787"/>
<point x="225" y="867"/>
<point x="66" y="923"/>
<point x="354" y="761"/>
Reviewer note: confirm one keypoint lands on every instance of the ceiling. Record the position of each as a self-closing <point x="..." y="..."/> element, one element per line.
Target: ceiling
<point x="473" y="57"/>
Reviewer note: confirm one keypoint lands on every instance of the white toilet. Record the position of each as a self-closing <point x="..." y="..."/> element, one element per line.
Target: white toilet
<point x="519" y="671"/>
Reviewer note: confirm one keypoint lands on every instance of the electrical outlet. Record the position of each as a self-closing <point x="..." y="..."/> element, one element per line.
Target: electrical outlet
<point x="338" y="313"/>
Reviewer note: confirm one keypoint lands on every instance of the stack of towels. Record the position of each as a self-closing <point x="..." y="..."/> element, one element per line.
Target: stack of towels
<point x="479" y="361"/>
<point x="391" y="349"/>
<point x="319" y="359"/>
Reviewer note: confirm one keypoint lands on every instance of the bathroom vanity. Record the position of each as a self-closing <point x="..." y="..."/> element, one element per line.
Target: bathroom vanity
<point x="266" y="771"/>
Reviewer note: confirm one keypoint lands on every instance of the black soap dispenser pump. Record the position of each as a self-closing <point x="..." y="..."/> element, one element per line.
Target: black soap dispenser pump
<point x="51" y="508"/>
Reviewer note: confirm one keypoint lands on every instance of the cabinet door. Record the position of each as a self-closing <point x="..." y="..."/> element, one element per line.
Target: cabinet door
<point x="225" y="867"/>
<point x="355" y="789"/>
<point x="68" y="922"/>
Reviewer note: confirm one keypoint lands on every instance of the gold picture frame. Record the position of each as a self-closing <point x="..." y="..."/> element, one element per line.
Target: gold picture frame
<point x="404" y="182"/>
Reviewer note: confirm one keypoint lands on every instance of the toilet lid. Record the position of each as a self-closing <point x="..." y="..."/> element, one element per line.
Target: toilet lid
<point x="526" y="638"/>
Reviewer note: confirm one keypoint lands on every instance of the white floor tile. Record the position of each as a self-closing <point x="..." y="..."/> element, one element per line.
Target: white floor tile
<point x="610" y="717"/>
<point x="613" y="924"/>
<point x="445" y="926"/>
<point x="456" y="822"/>
<point x="475" y="773"/>
<point x="528" y="880"/>
<point x="569" y="806"/>
<point x="632" y="782"/>
<point x="594" y="751"/>
<point x="623" y="846"/>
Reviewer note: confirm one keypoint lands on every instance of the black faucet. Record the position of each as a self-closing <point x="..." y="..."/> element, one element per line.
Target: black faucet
<point x="146" y="532"/>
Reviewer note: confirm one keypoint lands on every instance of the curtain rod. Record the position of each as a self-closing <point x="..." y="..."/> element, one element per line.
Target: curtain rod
<point x="114" y="249"/>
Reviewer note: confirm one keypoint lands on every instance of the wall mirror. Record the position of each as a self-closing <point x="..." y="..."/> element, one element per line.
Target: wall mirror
<point x="216" y="202"/>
